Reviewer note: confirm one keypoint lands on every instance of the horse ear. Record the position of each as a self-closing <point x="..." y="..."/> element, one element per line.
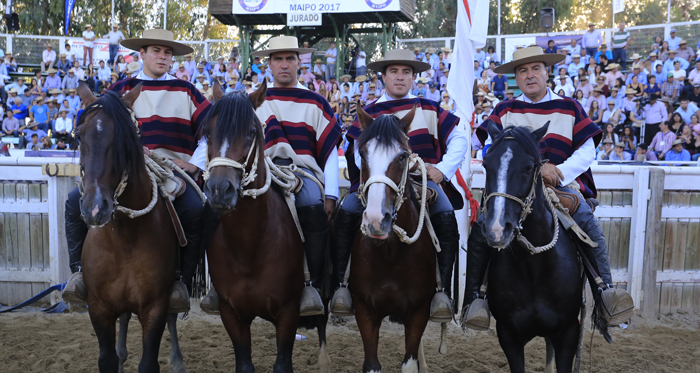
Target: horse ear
<point x="217" y="91"/>
<point x="258" y="97"/>
<point x="363" y="118"/>
<point x="408" y="119"/>
<point x="85" y="94"/>
<point x="539" y="133"/>
<point x="129" y="98"/>
<point x="492" y="129"/>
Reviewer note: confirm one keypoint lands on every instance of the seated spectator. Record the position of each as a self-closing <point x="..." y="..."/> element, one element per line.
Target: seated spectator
<point x="32" y="130"/>
<point x="207" y="91"/>
<point x="579" y="97"/>
<point x="48" y="58"/>
<point x="661" y="143"/>
<point x="28" y="98"/>
<point x="199" y="83"/>
<point x="483" y="83"/>
<point x="420" y="89"/>
<point x="19" y="86"/>
<point x="629" y="139"/>
<point x="603" y="51"/>
<point x="636" y="71"/>
<point x="491" y="98"/>
<point x="575" y="64"/>
<point x="499" y="85"/>
<point x="265" y="73"/>
<point x="446" y="103"/>
<point x="653" y="87"/>
<point x="678" y="73"/>
<point x="63" y="65"/>
<point x="677" y="152"/>
<point x="443" y="79"/>
<point x="671" y="88"/>
<point x="70" y="81"/>
<point x="643" y="155"/>
<point x="612" y="115"/>
<point x="551" y="48"/>
<point x="598" y="97"/>
<point x="687" y="109"/>
<point x="432" y="94"/>
<point x="612" y="75"/>
<point x="201" y="71"/>
<point x="619" y="153"/>
<point x="509" y="94"/>
<point x="53" y="112"/>
<point x="39" y="113"/>
<point x="694" y="95"/>
<point x="564" y="85"/>
<point x="103" y="77"/>
<point x="672" y="58"/>
<point x="604" y="153"/>
<point x="10" y="125"/>
<point x="52" y="81"/>
<point x="685" y="53"/>
<point x="60" y="145"/>
<point x="636" y="86"/>
<point x="63" y="126"/>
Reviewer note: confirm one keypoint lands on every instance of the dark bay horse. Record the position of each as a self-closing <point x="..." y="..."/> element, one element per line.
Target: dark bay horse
<point x="128" y="264"/>
<point x="390" y="277"/>
<point x="529" y="295"/>
<point x="256" y="254"/>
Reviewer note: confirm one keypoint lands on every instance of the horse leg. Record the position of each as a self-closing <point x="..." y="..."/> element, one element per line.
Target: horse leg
<point x="286" y="326"/>
<point x="239" y="332"/>
<point x="324" y="362"/>
<point x="153" y="324"/>
<point x="565" y="347"/>
<point x="413" y="333"/>
<point x="103" y="323"/>
<point x="513" y="347"/>
<point x="369" y="331"/>
<point x="549" y="367"/>
<point x="121" y="345"/>
<point x="175" y="353"/>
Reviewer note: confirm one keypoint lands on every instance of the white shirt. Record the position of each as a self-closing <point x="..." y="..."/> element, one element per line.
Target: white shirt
<point x="582" y="158"/>
<point x="457" y="145"/>
<point x="115" y="37"/>
<point x="333" y="52"/>
<point x="143" y="76"/>
<point x="361" y="59"/>
<point x="568" y="89"/>
<point x="88" y="35"/>
<point x="63" y="125"/>
<point x="49" y="55"/>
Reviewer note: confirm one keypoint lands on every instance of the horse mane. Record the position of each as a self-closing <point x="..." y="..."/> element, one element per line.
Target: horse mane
<point x="234" y="112"/>
<point x="386" y="130"/>
<point x="523" y="136"/>
<point x="129" y="156"/>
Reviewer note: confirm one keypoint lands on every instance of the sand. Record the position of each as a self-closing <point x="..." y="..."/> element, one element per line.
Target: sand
<point x="34" y="342"/>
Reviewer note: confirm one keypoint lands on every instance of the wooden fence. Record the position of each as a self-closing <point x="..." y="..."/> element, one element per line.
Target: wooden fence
<point x="623" y="193"/>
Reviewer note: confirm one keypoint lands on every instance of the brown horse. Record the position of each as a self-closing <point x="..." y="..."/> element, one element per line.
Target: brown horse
<point x="128" y="264"/>
<point x="389" y="277"/>
<point x="256" y="255"/>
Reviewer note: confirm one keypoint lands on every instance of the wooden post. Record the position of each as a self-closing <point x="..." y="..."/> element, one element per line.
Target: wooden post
<point x="640" y="200"/>
<point x="650" y="304"/>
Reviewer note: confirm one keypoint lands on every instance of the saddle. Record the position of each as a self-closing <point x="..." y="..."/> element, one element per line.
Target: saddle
<point x="570" y="201"/>
<point x="431" y="195"/>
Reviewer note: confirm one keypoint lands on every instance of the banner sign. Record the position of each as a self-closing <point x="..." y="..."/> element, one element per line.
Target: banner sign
<point x="618" y="6"/>
<point x="560" y="41"/>
<point x="100" y="51"/>
<point x="313" y="6"/>
<point x="67" y="12"/>
<point x="304" y="19"/>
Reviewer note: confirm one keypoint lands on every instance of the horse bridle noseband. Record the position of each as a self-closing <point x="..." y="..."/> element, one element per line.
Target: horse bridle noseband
<point x="383" y="179"/>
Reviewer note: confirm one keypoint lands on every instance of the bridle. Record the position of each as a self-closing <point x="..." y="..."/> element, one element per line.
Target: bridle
<point x="526" y="209"/>
<point x="247" y="177"/>
<point x="383" y="179"/>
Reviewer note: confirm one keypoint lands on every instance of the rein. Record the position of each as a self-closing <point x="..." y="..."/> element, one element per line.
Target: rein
<point x="400" y="190"/>
<point x="526" y="206"/>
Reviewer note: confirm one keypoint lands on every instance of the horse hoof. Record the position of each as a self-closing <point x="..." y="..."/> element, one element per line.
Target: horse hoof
<point x="341" y="304"/>
<point x="478" y="316"/>
<point x="441" y="308"/>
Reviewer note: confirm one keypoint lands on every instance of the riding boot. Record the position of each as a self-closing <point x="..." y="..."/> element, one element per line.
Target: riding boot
<point x="314" y="224"/>
<point x="346" y="226"/>
<point x="445" y="225"/>
<point x="76" y="231"/>
<point x="476" y="314"/>
<point x="211" y="218"/>
<point x="616" y="305"/>
<point x="189" y="256"/>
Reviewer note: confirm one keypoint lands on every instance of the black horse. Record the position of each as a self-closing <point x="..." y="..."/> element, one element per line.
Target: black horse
<point x="529" y="295"/>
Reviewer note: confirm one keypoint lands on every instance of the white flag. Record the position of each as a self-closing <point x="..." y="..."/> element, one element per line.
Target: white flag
<point x="618" y="6"/>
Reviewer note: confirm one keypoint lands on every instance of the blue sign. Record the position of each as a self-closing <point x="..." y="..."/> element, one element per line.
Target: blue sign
<point x="252" y="5"/>
<point x="68" y="11"/>
<point x="378" y="4"/>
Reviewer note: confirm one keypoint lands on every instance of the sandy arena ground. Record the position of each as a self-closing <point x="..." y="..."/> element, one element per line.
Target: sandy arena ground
<point x="34" y="342"/>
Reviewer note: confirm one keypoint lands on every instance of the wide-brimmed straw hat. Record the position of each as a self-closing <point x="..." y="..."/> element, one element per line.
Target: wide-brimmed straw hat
<point x="342" y="77"/>
<point x="677" y="142"/>
<point x="283" y="44"/>
<point x="157" y="37"/>
<point x="630" y="91"/>
<point x="529" y="55"/>
<point x="612" y="66"/>
<point x="399" y="57"/>
<point x="133" y="67"/>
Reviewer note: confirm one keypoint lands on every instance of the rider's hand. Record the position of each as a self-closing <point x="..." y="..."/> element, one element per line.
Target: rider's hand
<point x="434" y="174"/>
<point x="330" y="207"/>
<point x="147" y="151"/>
<point x="552" y="175"/>
<point x="185" y="166"/>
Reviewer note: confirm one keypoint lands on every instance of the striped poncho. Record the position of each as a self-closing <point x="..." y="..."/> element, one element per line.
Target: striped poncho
<point x="170" y="113"/>
<point x="569" y="129"/>
<point x="299" y="125"/>
<point x="427" y="135"/>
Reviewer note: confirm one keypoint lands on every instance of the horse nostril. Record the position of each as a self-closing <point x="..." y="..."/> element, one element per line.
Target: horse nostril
<point x="509" y="228"/>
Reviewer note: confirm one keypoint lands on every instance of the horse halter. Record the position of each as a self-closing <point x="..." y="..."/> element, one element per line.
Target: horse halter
<point x="383" y="179"/>
<point x="247" y="177"/>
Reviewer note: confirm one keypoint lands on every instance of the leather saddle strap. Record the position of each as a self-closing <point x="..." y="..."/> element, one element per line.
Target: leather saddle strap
<point x="587" y="263"/>
<point x="485" y="283"/>
<point x="176" y="222"/>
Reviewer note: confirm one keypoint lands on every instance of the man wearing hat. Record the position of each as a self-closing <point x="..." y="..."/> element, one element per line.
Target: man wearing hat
<point x="613" y="74"/>
<point x="620" y="42"/>
<point x="170" y="112"/>
<point x="359" y="80"/>
<point x="70" y="81"/>
<point x="18" y="86"/>
<point x="432" y="94"/>
<point x="331" y="55"/>
<point x="88" y="44"/>
<point x="48" y="58"/>
<point x="604" y="154"/>
<point x="671" y="88"/>
<point x="637" y="71"/>
<point x="287" y="103"/>
<point x="619" y="153"/>
<point x="305" y="59"/>
<point x="190" y="65"/>
<point x="613" y="115"/>
<point x="420" y="89"/>
<point x="436" y="137"/>
<point x="318" y="68"/>
<point x="133" y="68"/>
<point x="73" y="99"/>
<point x="265" y="73"/>
<point x="418" y="55"/>
<point x="575" y="64"/>
<point x="672" y="58"/>
<point x="674" y="41"/>
<point x="115" y="37"/>
<point x="63" y="65"/>
<point x="371" y="97"/>
<point x="307" y="75"/>
<point x="52" y="81"/>
<point x="62" y="126"/>
<point x="201" y="70"/>
<point x="233" y="85"/>
<point x="30" y="131"/>
<point x="684" y="52"/>
<point x="591" y="40"/>
<point x="653" y="59"/>
<point x="655" y="113"/>
<point x="677" y="152"/>
<point x="569" y="146"/>
<point x="563" y="85"/>
<point x="509" y="94"/>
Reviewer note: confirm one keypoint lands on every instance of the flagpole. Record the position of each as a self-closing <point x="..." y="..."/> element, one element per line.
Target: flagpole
<point x="499" y="18"/>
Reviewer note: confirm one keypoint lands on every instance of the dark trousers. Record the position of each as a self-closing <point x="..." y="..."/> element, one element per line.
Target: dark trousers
<point x="620" y="57"/>
<point x="113" y="49"/>
<point x="650" y="130"/>
<point x="590" y="52"/>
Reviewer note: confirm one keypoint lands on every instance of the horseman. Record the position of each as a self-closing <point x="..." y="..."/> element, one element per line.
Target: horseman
<point x="170" y="112"/>
<point x="301" y="129"/>
<point x="434" y="136"/>
<point x="569" y="148"/>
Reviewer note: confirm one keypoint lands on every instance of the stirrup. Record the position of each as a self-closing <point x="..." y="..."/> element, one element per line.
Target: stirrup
<point x="179" y="299"/>
<point x="341" y="304"/>
<point x="441" y="308"/>
<point x="477" y="316"/>
<point x="210" y="303"/>
<point x="311" y="303"/>
<point x="618" y="306"/>
<point x="75" y="292"/>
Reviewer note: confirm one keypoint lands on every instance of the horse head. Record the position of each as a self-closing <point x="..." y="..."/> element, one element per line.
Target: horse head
<point x="512" y="165"/>
<point x="385" y="152"/>
<point x="110" y="151"/>
<point x="234" y="141"/>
